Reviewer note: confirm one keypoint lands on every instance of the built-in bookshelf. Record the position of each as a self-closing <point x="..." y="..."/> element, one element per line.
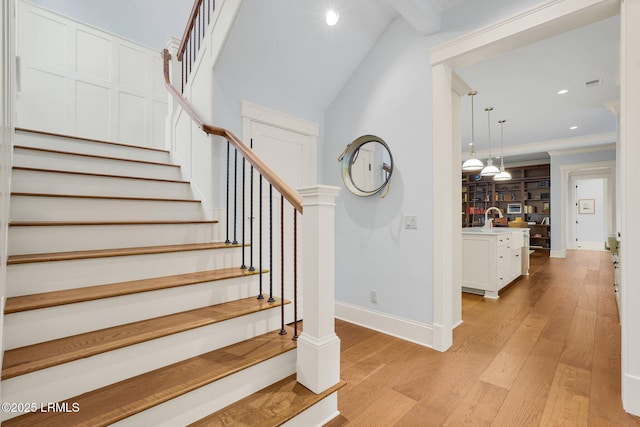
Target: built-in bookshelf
<point x="527" y="196"/>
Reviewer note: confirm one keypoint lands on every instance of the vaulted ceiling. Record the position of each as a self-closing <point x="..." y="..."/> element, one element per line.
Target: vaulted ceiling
<point x="316" y="60"/>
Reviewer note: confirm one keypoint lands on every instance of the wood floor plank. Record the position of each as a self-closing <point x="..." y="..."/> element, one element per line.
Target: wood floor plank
<point x="113" y="403"/>
<point x="505" y="367"/>
<point x="478" y="407"/>
<point x="389" y="407"/>
<point x="271" y="406"/>
<point x="90" y="293"/>
<point x="105" y="253"/>
<point x="550" y="295"/>
<point x="31" y="358"/>
<point x="568" y="402"/>
<point x="579" y="346"/>
<point x="528" y="395"/>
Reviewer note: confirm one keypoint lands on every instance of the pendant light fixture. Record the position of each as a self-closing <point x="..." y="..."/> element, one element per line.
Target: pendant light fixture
<point x="472" y="164"/>
<point x="490" y="169"/>
<point x="503" y="175"/>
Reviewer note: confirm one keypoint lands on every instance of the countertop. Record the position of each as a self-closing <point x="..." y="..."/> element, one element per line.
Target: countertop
<point x="496" y="230"/>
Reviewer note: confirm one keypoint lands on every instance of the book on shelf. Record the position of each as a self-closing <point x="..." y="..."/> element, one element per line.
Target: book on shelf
<point x="545" y="221"/>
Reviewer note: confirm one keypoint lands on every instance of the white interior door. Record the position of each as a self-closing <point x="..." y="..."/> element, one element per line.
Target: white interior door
<point x="590" y="213"/>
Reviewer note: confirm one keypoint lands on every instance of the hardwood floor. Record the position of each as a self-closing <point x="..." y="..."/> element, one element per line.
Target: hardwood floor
<point x="547" y="353"/>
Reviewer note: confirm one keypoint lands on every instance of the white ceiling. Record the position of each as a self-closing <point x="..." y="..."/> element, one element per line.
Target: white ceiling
<point x="522" y="87"/>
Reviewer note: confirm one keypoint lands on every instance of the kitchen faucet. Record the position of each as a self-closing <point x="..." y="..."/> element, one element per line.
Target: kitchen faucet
<point x="489" y="222"/>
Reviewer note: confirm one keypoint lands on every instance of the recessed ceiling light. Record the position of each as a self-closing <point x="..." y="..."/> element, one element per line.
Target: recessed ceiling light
<point x="563" y="91"/>
<point x="573" y="128"/>
<point x="332" y="17"/>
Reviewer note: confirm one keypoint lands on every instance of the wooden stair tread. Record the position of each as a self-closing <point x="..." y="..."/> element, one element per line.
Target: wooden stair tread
<point x="115" y="402"/>
<point x="93" y="156"/>
<point x="103" y="175"/>
<point x="90" y="293"/>
<point x="39" y="356"/>
<point x="61" y="135"/>
<point x="106" y="253"/>
<point x="87" y="223"/>
<point x="86" y="196"/>
<point x="271" y="406"/>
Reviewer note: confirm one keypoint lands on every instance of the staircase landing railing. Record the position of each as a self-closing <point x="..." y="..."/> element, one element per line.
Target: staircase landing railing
<point x="318" y="357"/>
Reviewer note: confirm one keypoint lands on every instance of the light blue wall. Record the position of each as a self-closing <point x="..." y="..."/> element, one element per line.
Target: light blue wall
<point x="390" y="95"/>
<point x="557" y="162"/>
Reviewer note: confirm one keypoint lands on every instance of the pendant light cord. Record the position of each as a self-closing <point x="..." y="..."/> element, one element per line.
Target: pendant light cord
<point x="488" y="110"/>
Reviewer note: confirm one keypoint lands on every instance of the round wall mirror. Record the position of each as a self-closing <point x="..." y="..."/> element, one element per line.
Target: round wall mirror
<point x="367" y="165"/>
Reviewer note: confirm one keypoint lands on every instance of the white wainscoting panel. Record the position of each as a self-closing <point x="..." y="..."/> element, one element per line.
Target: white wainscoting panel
<point x="83" y="81"/>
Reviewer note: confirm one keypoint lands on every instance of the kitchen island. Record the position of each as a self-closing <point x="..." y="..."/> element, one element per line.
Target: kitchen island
<point x="493" y="258"/>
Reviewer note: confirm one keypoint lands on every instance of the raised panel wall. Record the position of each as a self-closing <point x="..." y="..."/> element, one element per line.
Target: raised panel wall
<point x="79" y="80"/>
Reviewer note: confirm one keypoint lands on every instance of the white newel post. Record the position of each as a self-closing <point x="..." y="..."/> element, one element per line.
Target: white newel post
<point x="318" y="365"/>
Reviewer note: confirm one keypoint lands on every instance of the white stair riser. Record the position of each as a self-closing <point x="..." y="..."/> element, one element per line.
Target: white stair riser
<point x="26" y="181"/>
<point x="29" y="208"/>
<point x="25" y="328"/>
<point x="199" y="403"/>
<point x="45" y="239"/>
<point x="318" y="415"/>
<point x="44" y="160"/>
<point x="26" y="279"/>
<point x="80" y="376"/>
<point x="90" y="147"/>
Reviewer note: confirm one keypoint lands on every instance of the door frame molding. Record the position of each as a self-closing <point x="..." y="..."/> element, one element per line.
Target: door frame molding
<point x="597" y="170"/>
<point x="533" y="24"/>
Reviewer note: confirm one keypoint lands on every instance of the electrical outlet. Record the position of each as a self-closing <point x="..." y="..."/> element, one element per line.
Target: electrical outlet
<point x="373" y="296"/>
<point x="411" y="222"/>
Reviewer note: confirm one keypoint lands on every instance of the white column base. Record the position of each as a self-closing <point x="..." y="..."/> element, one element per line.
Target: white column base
<point x="318" y="363"/>
<point x="631" y="394"/>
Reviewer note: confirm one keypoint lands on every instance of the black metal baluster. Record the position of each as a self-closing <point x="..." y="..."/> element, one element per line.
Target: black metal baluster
<point x="243" y="266"/>
<point x="235" y="197"/>
<point x="260" y="295"/>
<point x="295" y="274"/>
<point x="271" y="299"/>
<point x="282" y="330"/>
<point x="227" y="241"/>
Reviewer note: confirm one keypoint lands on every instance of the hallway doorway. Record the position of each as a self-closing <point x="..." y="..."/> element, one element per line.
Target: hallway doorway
<point x="590" y="213"/>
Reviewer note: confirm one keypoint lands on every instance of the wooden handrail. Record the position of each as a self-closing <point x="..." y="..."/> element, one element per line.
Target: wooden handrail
<point x="291" y="195"/>
<point x="190" y="24"/>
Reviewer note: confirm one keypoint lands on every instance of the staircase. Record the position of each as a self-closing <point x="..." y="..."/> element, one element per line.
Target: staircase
<point x="123" y="304"/>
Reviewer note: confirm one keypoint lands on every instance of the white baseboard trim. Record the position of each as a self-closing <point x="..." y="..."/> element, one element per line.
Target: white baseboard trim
<point x="631" y="394"/>
<point x="557" y="254"/>
<point x="405" y="329"/>
<point x="591" y="246"/>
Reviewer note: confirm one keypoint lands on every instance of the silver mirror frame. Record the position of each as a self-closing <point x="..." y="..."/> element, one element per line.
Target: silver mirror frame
<point x="347" y="158"/>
